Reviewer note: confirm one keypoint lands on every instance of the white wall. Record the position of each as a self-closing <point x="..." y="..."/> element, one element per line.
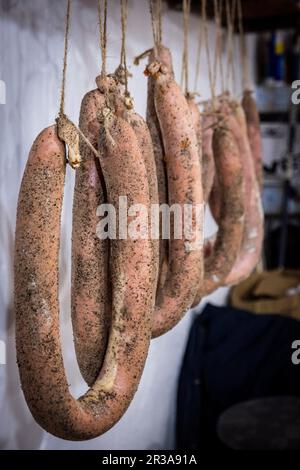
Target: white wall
<point x="31" y="46"/>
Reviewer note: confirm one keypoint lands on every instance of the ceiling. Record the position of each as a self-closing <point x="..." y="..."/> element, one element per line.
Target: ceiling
<point x="263" y="15"/>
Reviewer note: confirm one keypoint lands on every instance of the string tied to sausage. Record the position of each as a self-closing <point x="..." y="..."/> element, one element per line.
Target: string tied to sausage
<point x="155" y="7"/>
<point x="230" y="17"/>
<point x="67" y="131"/>
<point x="186" y="6"/>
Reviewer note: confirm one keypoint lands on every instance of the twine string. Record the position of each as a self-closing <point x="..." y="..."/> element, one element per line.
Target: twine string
<point x="186" y="4"/>
<point x="102" y="16"/>
<point x="199" y="49"/>
<point x="218" y="10"/>
<point x="154" y="21"/>
<point x="208" y="56"/>
<point x="123" y="59"/>
<point x="230" y="15"/>
<point x="65" y="61"/>
<point x="243" y="47"/>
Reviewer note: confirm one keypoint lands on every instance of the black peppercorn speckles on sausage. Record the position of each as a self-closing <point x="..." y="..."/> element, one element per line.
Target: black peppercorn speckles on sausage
<point x="204" y="130"/>
<point x="90" y="294"/>
<point x="39" y="353"/>
<point x="253" y="228"/>
<point x="185" y="271"/>
<point x="229" y="175"/>
<point x="254" y="134"/>
<point x="165" y="58"/>
<point x="143" y="136"/>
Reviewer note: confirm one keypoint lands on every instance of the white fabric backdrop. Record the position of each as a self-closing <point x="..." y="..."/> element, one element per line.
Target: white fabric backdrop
<point x="31" y="47"/>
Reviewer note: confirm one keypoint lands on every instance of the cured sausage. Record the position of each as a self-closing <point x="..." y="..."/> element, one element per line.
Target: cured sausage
<point x="165" y="58"/>
<point x="91" y="289"/>
<point x="90" y="294"/>
<point x="122" y="106"/>
<point x="39" y="353"/>
<point x="249" y="254"/>
<point x="229" y="173"/>
<point x="92" y="324"/>
<point x="143" y="136"/>
<point x="253" y="228"/>
<point x="185" y="187"/>
<point x="254" y="134"/>
<point x="208" y="172"/>
<point x="204" y="130"/>
<point x="209" y="121"/>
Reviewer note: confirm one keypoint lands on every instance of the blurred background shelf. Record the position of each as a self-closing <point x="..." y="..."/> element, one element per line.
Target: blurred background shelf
<point x="275" y="117"/>
<point x="266" y="15"/>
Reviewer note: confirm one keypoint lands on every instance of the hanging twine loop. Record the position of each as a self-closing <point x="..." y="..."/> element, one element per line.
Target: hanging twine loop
<point x="156" y="67"/>
<point x="121" y="74"/>
<point x="199" y="49"/>
<point x="156" y="23"/>
<point x="67" y="131"/>
<point x="155" y="8"/>
<point x="218" y="64"/>
<point x="211" y="74"/>
<point x="230" y="15"/>
<point x="244" y="57"/>
<point x="102" y="18"/>
<point x="65" y="61"/>
<point x="103" y="80"/>
<point x="215" y="67"/>
<point x="218" y="10"/>
<point x="123" y="58"/>
<point x="186" y="6"/>
<point x="159" y="21"/>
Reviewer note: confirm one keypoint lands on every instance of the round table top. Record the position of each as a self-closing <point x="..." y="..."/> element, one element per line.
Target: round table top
<point x="262" y="424"/>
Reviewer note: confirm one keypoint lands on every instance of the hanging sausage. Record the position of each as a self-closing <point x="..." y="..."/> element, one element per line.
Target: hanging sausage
<point x="39" y="354"/>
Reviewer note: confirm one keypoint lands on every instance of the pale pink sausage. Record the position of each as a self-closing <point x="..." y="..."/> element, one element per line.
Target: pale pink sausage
<point x="93" y="338"/>
<point x="90" y="295"/>
<point x="185" y="187"/>
<point x="231" y="224"/>
<point x="119" y="106"/>
<point x="254" y="134"/>
<point x="254" y="227"/>
<point x="165" y="58"/>
<point x="39" y="353"/>
<point x="208" y="164"/>
<point x="143" y="136"/>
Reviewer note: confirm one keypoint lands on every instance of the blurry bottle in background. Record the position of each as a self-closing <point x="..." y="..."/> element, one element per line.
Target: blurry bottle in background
<point x="277" y="58"/>
<point x="293" y="58"/>
<point x="273" y="94"/>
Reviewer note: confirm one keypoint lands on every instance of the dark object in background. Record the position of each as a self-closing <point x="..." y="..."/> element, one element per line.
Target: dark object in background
<point x="267" y="292"/>
<point x="262" y="57"/>
<point x="268" y="15"/>
<point x="292" y="253"/>
<point x="264" y="424"/>
<point x="232" y="356"/>
<point x="293" y="62"/>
